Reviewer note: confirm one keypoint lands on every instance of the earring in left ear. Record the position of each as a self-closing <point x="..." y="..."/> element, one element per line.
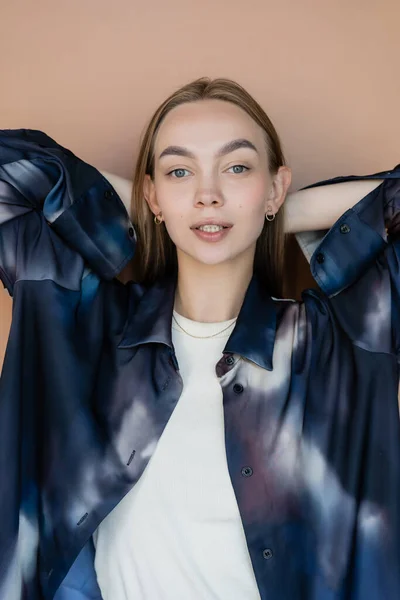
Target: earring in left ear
<point x="158" y="219"/>
<point x="268" y="216"/>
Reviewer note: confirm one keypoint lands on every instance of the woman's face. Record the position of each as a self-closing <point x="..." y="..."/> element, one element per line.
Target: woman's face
<point x="211" y="181"/>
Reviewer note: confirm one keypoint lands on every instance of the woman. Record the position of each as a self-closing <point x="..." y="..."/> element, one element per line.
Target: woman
<point x="200" y="437"/>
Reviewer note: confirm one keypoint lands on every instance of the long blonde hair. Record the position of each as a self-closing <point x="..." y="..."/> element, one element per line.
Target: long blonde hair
<point x="156" y="253"/>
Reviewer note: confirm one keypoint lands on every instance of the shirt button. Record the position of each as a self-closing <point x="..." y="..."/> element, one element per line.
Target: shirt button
<point x="320" y="258"/>
<point x="247" y="471"/>
<point x="108" y="194"/>
<point x="131" y="232"/>
<point x="238" y="388"/>
<point x="267" y="553"/>
<point x="344" y="228"/>
<point x="229" y="360"/>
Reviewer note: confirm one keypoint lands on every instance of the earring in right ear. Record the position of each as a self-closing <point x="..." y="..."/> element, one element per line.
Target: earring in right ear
<point x="158" y="219"/>
<point x="268" y="216"/>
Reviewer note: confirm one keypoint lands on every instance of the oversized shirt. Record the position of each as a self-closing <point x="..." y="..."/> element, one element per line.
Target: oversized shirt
<point x="90" y="380"/>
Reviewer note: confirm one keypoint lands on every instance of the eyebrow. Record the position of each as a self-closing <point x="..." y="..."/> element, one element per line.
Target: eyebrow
<point x="226" y="149"/>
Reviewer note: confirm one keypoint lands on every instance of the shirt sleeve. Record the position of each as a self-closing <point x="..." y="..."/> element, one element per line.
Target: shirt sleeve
<point x="357" y="264"/>
<point x="57" y="213"/>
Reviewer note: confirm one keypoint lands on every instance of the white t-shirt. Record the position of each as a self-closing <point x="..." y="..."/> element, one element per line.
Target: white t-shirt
<point x="177" y="535"/>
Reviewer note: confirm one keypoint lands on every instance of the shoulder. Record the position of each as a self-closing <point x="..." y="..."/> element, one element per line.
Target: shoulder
<point x="313" y="301"/>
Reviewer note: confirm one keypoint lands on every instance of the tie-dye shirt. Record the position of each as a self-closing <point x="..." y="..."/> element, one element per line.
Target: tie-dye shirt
<point x="90" y="379"/>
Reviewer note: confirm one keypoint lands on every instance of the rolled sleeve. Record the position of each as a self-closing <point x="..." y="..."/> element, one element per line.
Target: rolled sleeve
<point x="97" y="226"/>
<point x="338" y="257"/>
<point x="39" y="179"/>
<point x="357" y="265"/>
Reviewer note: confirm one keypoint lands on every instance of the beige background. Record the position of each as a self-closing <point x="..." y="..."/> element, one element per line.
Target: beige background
<point x="90" y="72"/>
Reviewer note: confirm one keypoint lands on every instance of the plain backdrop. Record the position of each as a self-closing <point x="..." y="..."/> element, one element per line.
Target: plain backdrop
<point x="91" y="72"/>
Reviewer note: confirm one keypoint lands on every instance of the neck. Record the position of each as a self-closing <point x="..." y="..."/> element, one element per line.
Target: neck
<point x="210" y="294"/>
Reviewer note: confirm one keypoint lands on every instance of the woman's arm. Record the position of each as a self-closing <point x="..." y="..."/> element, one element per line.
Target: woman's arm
<point x="56" y="213"/>
<point x="305" y="210"/>
<point x="320" y="207"/>
<point x="122" y="186"/>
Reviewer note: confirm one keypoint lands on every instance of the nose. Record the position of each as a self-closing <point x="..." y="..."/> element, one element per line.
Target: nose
<point x="208" y="196"/>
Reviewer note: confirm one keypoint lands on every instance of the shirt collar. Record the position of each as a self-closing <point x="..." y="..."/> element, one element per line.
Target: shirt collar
<point x="150" y="314"/>
<point x="150" y="320"/>
<point x="255" y="330"/>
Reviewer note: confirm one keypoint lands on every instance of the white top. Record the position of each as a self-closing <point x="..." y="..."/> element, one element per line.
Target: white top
<point x="177" y="535"/>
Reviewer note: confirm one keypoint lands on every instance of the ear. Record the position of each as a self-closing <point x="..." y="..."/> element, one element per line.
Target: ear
<point x="149" y="192"/>
<point x="279" y="188"/>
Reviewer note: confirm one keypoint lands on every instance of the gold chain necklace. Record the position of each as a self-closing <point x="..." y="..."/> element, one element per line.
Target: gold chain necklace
<point x="202" y="337"/>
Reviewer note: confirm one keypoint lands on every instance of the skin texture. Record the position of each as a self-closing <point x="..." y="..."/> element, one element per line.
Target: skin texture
<point x="236" y="188"/>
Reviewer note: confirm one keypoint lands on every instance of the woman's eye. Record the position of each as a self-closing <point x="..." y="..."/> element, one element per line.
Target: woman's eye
<point x="179" y="173"/>
<point x="238" y="169"/>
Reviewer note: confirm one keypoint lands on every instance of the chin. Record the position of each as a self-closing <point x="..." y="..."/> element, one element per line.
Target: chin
<point x="213" y="259"/>
<point x="214" y="256"/>
<point x="212" y="263"/>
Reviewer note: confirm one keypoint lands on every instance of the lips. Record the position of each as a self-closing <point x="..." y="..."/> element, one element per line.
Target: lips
<point x="206" y="225"/>
<point x="211" y="230"/>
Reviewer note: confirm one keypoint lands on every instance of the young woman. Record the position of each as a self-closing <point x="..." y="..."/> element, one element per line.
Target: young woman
<point x="191" y="434"/>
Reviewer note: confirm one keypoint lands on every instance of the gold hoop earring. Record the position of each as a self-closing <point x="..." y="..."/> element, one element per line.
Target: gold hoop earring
<point x="269" y="217"/>
<point x="158" y="219"/>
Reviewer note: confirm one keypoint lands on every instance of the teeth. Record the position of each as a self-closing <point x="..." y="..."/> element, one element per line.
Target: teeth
<point x="211" y="228"/>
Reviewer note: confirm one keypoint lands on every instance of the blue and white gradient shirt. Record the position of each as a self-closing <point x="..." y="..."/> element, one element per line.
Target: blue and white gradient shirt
<point x="90" y="380"/>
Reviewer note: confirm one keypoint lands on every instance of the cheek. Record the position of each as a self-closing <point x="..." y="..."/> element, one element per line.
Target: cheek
<point x="172" y="199"/>
<point x="252" y="211"/>
<point x="175" y="220"/>
<point x="175" y="212"/>
<point x="251" y="197"/>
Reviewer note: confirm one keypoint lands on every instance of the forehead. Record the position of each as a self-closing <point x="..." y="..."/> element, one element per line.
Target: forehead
<point x="210" y="122"/>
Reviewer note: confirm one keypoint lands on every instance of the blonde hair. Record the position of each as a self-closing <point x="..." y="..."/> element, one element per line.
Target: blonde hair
<point x="156" y="253"/>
